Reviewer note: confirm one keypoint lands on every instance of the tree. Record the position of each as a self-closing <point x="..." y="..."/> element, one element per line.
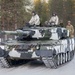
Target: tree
<point x="64" y="9"/>
<point x="73" y="11"/>
<point x="45" y="12"/>
<point x="67" y="10"/>
<point x="0" y="12"/>
<point x="13" y="13"/>
<point x="56" y="6"/>
<point x="49" y="7"/>
<point x="38" y="7"/>
<point x="42" y="9"/>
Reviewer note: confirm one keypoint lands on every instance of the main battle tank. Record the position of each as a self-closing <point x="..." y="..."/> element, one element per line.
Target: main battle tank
<point x="51" y="45"/>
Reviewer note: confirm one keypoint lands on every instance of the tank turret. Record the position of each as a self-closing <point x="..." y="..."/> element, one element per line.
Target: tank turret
<point x="54" y="33"/>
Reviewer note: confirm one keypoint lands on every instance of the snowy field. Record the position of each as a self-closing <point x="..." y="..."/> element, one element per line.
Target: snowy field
<point x="36" y="68"/>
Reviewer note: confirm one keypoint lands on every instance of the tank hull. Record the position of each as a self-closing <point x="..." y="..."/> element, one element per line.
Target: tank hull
<point x="52" y="53"/>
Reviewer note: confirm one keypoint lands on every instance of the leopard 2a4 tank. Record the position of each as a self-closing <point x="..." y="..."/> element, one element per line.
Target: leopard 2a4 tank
<point x="51" y="45"/>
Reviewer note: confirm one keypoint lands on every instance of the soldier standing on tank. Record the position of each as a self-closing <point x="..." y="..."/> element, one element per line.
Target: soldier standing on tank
<point x="35" y="19"/>
<point x="70" y="28"/>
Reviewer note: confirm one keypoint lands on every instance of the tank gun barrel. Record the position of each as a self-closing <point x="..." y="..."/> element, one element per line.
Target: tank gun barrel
<point x="17" y="32"/>
<point x="8" y="32"/>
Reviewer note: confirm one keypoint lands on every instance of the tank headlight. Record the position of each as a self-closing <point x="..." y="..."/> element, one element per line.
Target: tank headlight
<point x="38" y="47"/>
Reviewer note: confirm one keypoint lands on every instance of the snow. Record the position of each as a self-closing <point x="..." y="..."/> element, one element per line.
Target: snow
<point x="36" y="68"/>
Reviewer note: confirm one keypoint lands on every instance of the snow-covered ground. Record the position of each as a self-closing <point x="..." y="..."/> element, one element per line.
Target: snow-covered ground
<point x="39" y="69"/>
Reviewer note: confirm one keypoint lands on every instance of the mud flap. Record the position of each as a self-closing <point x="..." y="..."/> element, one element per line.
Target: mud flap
<point x="48" y="57"/>
<point x="49" y="62"/>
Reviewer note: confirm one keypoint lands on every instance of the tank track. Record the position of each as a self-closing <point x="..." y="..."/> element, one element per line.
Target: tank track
<point x="50" y="62"/>
<point x="58" y="60"/>
<point x="4" y="62"/>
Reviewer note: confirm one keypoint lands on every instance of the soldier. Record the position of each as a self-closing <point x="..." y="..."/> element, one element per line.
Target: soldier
<point x="35" y="20"/>
<point x="70" y="28"/>
<point x="54" y="19"/>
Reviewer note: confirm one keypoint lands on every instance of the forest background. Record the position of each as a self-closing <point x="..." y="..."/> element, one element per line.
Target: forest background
<point x="15" y="13"/>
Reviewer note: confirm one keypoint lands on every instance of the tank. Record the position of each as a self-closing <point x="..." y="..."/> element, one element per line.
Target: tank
<point x="51" y="45"/>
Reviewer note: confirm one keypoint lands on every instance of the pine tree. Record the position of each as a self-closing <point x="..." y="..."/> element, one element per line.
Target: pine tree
<point x="41" y="7"/>
<point x="67" y="10"/>
<point x="38" y="7"/>
<point x="73" y="11"/>
<point x="49" y="7"/>
<point x="0" y="14"/>
<point x="56" y="6"/>
<point x="45" y="12"/>
<point x="13" y="13"/>
<point x="63" y="8"/>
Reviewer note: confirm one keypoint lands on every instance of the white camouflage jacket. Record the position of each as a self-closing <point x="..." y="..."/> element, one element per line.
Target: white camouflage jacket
<point x="35" y="20"/>
<point x="54" y="19"/>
